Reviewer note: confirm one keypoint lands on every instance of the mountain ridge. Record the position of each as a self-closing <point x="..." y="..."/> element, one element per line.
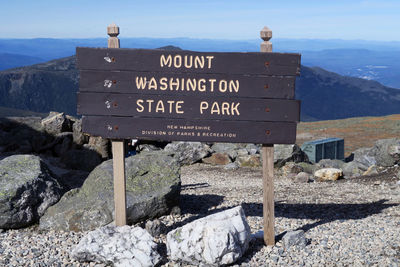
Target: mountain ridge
<point x="52" y="86"/>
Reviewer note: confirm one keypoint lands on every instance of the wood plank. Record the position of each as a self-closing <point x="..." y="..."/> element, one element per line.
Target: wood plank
<point x="129" y="82"/>
<point x="118" y="151"/>
<point x="190" y="130"/>
<point x="212" y="62"/>
<point x="268" y="194"/>
<point x="188" y="107"/>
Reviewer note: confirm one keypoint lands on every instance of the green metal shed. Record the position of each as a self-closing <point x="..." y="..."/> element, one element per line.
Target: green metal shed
<point x="329" y="148"/>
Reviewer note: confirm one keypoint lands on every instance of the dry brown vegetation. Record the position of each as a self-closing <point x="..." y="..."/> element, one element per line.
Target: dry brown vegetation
<point x="356" y="132"/>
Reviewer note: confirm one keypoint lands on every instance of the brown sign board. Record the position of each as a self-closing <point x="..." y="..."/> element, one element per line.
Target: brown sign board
<point x="187" y="61"/>
<point x="188" y="107"/>
<point x="188" y="96"/>
<point x="190" y="130"/>
<point x="281" y="87"/>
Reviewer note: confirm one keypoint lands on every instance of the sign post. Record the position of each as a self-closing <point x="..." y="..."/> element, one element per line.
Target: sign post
<point x="268" y="166"/>
<point x="189" y="96"/>
<point x="118" y="151"/>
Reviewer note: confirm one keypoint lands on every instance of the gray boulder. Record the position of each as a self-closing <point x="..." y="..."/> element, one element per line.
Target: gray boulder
<point x="352" y="169"/>
<point x="253" y="149"/>
<point x="120" y="246"/>
<point x="229" y="148"/>
<point x="387" y="152"/>
<point x="101" y="145"/>
<point x="57" y="123"/>
<point x="217" y="239"/>
<point x="365" y="157"/>
<point x="152" y="189"/>
<point x="79" y="137"/>
<point x="296" y="155"/>
<point x="282" y="152"/>
<point x="27" y="189"/>
<point x="303" y="177"/>
<point x="330" y="163"/>
<point x="187" y="152"/>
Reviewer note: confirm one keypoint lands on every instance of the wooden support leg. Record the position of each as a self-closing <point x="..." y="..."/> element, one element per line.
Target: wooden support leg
<point x="268" y="194"/>
<point x="118" y="151"/>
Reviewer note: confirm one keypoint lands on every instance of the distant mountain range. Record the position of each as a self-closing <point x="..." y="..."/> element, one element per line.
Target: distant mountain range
<point x="52" y="86"/>
<point x="371" y="60"/>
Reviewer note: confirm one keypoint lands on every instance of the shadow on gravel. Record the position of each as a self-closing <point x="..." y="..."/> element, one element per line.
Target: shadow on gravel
<point x="325" y="213"/>
<point x="199" y="205"/>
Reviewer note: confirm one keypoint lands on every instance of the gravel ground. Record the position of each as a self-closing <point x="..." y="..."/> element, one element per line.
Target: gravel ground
<point x="347" y="223"/>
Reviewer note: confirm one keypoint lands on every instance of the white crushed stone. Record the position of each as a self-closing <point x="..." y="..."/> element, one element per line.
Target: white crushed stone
<point x="346" y="223"/>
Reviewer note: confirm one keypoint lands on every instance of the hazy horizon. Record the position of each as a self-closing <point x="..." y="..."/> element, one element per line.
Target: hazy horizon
<point x="370" y="20"/>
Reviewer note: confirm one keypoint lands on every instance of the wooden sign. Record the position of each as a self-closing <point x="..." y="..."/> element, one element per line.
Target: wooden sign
<point x="188" y="130"/>
<point x="189" y="96"/>
<point x="286" y="64"/>
<point x="220" y="97"/>
<point x="260" y="86"/>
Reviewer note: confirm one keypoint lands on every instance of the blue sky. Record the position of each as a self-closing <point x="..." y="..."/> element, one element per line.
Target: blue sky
<point x="215" y="19"/>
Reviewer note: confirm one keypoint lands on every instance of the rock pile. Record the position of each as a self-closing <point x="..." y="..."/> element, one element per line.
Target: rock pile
<point x="57" y="135"/>
<point x="218" y="239"/>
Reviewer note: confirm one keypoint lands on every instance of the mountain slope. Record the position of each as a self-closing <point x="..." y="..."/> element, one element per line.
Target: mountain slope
<point x="42" y="87"/>
<point x="327" y="95"/>
<point x="9" y="61"/>
<point x="52" y="86"/>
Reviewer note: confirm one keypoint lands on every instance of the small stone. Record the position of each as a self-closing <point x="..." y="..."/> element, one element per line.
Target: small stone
<point x="187" y="152"/>
<point x="249" y="161"/>
<point x="252" y="149"/>
<point x="231" y="166"/>
<point x="155" y="227"/>
<point x="218" y="159"/>
<point x="302" y="177"/>
<point x="56" y="123"/>
<point x="329" y="174"/>
<point x="291" y="168"/>
<point x="294" y="238"/>
<point x="175" y="211"/>
<point x="371" y="170"/>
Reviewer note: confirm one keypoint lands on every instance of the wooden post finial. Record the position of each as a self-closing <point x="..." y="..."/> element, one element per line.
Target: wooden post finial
<point x="266" y="35"/>
<point x="113" y="30"/>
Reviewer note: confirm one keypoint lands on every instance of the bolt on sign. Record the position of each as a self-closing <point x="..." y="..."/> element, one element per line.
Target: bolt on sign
<point x="188" y="96"/>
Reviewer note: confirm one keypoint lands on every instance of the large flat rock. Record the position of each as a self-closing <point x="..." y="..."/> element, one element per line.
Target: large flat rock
<point x="152" y="189"/>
